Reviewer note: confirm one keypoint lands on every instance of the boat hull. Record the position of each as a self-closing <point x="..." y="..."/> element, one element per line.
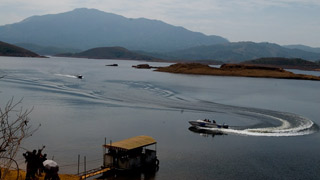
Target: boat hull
<point x="202" y="123"/>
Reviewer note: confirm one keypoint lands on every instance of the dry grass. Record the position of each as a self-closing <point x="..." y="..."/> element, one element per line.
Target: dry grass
<point x="235" y="70"/>
<point x="12" y="175"/>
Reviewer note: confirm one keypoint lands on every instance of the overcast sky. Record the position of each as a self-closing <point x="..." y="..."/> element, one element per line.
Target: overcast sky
<point x="277" y="21"/>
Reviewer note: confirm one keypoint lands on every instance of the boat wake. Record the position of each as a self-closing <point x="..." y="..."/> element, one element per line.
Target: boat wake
<point x="241" y="120"/>
<point x="263" y="122"/>
<point x="302" y="126"/>
<point x="69" y="76"/>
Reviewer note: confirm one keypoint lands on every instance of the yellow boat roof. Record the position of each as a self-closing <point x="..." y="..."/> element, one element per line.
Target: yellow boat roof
<point x="131" y="143"/>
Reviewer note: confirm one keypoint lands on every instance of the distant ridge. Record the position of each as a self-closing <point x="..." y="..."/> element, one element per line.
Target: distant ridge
<point x="303" y="47"/>
<point x="108" y="53"/>
<point x="241" y="51"/>
<point x="47" y="50"/>
<point x="89" y="28"/>
<point x="12" y="50"/>
<point x="293" y="63"/>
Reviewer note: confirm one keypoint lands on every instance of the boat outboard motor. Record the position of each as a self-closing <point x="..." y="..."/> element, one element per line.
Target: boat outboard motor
<point x="226" y="126"/>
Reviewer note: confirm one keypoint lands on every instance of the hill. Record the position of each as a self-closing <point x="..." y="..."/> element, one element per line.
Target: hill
<point x="89" y="28"/>
<point x="47" y="50"/>
<point x="240" y="51"/>
<point x="108" y="53"/>
<point x="294" y="63"/>
<point x="303" y="47"/>
<point x="235" y="70"/>
<point x="12" y="50"/>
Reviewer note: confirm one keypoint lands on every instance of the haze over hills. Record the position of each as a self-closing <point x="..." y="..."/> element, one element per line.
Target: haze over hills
<point x="303" y="47"/>
<point x="47" y="50"/>
<point x="90" y="28"/>
<point x="240" y="51"/>
<point x="292" y="63"/>
<point x="109" y="53"/>
<point x="83" y="29"/>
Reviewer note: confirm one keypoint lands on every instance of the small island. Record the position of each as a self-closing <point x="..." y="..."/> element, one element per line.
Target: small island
<point x="242" y="70"/>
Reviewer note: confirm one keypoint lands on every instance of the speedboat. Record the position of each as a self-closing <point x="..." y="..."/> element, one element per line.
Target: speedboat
<point x="79" y="76"/>
<point x="207" y="123"/>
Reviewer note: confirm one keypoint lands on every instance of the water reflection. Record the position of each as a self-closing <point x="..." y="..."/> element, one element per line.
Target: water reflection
<point x="205" y="132"/>
<point x="147" y="173"/>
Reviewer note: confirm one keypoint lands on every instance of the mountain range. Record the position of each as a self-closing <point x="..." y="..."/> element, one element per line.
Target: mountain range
<point x="240" y="51"/>
<point x="303" y="47"/>
<point x="83" y="29"/>
<point x="90" y="28"/>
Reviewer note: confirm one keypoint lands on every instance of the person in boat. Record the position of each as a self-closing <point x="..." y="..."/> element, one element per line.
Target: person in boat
<point x="213" y="121"/>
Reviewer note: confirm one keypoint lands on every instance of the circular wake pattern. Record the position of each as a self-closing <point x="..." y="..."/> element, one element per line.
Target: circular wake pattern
<point x="294" y="125"/>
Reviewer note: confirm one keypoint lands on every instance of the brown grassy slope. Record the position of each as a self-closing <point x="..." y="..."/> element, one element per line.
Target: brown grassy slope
<point x="22" y="175"/>
<point x="235" y="70"/>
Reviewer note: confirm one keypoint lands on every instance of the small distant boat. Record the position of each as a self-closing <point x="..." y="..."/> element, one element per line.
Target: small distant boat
<point x="112" y="65"/>
<point x="208" y="123"/>
<point x="79" y="76"/>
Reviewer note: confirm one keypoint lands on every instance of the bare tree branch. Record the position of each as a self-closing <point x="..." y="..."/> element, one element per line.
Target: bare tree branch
<point x="14" y="128"/>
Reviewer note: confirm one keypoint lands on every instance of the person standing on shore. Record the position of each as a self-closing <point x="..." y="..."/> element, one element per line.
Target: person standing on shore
<point x="51" y="169"/>
<point x="31" y="164"/>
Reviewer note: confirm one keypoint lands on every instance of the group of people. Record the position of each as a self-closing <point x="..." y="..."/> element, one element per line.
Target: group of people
<point x="36" y="165"/>
<point x="207" y="120"/>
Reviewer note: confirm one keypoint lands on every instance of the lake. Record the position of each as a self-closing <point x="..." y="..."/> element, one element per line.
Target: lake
<point x="273" y="123"/>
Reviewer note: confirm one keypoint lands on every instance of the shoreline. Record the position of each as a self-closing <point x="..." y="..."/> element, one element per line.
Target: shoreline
<point x="12" y="175"/>
<point x="238" y="70"/>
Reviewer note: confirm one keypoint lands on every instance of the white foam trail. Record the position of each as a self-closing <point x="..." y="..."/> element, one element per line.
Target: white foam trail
<point x="66" y="75"/>
<point x="285" y="129"/>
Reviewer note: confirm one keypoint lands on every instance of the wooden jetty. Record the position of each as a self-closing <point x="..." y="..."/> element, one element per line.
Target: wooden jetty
<point x="93" y="172"/>
<point x="128" y="154"/>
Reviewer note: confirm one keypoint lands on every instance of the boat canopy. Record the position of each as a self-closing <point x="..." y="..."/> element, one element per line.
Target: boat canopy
<point x="131" y="143"/>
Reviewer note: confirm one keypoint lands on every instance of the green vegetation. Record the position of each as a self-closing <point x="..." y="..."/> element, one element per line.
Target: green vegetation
<point x="235" y="70"/>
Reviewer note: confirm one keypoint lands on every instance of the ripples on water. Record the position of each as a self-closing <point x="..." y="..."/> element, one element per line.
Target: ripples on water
<point x="147" y="95"/>
<point x="117" y="103"/>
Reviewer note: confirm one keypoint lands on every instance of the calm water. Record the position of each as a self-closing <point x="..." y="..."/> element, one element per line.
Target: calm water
<point x="274" y="122"/>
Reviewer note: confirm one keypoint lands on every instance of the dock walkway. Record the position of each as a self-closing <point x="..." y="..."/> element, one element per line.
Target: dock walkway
<point x="93" y="172"/>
